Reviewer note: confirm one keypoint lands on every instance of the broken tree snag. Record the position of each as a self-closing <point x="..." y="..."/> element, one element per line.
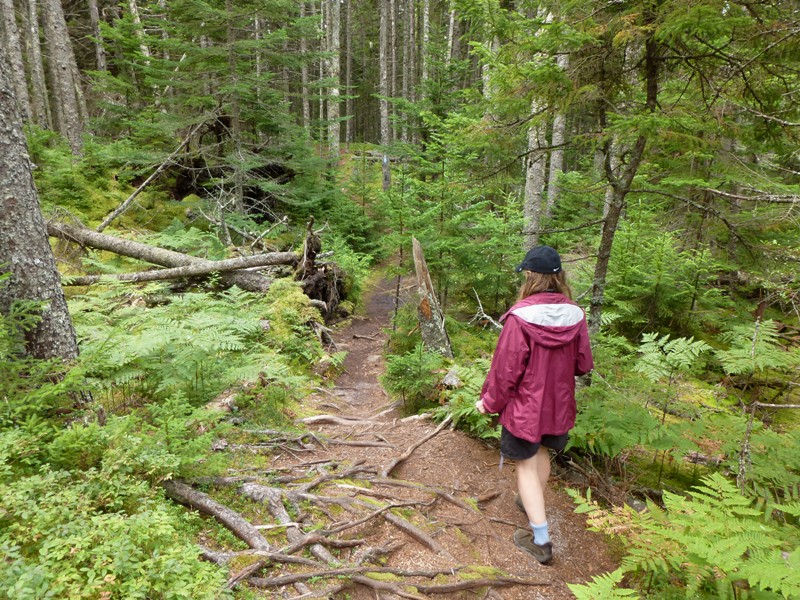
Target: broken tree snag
<point x="246" y="280"/>
<point x="241" y="527"/>
<point x="192" y="270"/>
<point x="431" y="318"/>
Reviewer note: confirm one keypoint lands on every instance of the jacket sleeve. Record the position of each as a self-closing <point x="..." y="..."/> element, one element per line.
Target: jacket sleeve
<point x="508" y="365"/>
<point x="583" y="359"/>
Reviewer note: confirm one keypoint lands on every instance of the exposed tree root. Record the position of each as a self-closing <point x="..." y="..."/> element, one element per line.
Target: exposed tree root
<point x="231" y="519"/>
<point x="403" y="457"/>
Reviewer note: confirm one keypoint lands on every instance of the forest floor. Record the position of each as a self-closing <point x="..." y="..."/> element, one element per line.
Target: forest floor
<point x="464" y="511"/>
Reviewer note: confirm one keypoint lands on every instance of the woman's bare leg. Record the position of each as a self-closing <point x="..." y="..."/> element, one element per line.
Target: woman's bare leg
<point x="532" y="476"/>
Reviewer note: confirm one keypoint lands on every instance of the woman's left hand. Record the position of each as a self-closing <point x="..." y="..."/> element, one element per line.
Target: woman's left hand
<point x="479" y="407"/>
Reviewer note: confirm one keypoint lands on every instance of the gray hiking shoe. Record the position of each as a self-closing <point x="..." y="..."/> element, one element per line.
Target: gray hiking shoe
<point x="523" y="538"/>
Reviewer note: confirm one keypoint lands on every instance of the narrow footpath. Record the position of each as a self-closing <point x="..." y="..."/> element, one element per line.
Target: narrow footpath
<point x="459" y="505"/>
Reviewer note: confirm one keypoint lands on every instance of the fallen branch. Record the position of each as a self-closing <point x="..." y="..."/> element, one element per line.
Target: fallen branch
<point x="241" y="527"/>
<point x="403" y="457"/>
<point x="124" y="206"/>
<point x="192" y="270"/>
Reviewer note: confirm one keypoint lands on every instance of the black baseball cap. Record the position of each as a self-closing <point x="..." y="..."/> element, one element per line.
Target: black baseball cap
<point x="541" y="259"/>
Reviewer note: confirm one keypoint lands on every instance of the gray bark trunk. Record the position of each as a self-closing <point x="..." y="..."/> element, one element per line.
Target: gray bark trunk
<point x="557" y="153"/>
<point x="334" y="69"/>
<point x="534" y="183"/>
<point x="431" y="318"/>
<point x="236" y="120"/>
<point x="348" y="72"/>
<point x="24" y="249"/>
<point x="426" y="38"/>
<point x="13" y="47"/>
<point x="306" y="104"/>
<point x="99" y="49"/>
<point x="251" y="282"/>
<point x="64" y="96"/>
<point x="383" y="89"/>
<point x="39" y="102"/>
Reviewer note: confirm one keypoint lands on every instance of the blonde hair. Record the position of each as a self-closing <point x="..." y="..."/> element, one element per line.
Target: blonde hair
<point x="536" y="283"/>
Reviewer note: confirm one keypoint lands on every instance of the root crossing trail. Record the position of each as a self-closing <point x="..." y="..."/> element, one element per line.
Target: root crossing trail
<point x="400" y="502"/>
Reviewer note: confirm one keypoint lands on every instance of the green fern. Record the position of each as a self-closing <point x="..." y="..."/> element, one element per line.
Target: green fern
<point x="603" y="587"/>
<point x="756" y="348"/>
<point x="662" y="358"/>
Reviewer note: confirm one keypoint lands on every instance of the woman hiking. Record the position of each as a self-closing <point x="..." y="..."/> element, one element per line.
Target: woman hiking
<point x="544" y="344"/>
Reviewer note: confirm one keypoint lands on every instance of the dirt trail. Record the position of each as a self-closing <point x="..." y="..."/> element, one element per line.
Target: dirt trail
<point x="449" y="462"/>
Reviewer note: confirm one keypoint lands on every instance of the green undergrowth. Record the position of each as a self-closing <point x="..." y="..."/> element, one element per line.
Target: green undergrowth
<point x="83" y="450"/>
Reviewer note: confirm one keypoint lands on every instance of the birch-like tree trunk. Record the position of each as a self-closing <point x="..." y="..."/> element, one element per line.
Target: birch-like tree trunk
<point x="304" y="99"/>
<point x="452" y="27"/>
<point x="426" y="38"/>
<point x="557" y="144"/>
<point x="534" y="182"/>
<point x="13" y="47"/>
<point x="383" y="90"/>
<point x="137" y="19"/>
<point x="334" y="69"/>
<point x="348" y="72"/>
<point x="24" y="248"/>
<point x="61" y="63"/>
<point x="39" y="101"/>
<point x="99" y="48"/>
<point x="395" y="6"/>
<point x="235" y="107"/>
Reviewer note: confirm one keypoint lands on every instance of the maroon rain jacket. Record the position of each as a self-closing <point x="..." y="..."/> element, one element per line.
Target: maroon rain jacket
<point x="544" y="344"/>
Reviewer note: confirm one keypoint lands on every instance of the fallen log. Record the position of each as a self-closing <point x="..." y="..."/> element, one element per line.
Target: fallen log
<point x="246" y="280"/>
<point x="192" y="270"/>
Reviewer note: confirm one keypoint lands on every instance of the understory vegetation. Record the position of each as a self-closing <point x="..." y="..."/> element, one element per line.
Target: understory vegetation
<point x="678" y="143"/>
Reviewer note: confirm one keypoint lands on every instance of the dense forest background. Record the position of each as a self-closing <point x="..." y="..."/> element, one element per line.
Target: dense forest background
<point x="653" y="143"/>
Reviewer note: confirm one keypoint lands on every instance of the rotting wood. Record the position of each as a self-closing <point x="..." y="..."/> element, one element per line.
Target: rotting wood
<point x="431" y="318"/>
<point x="403" y="457"/>
<point x="236" y="523"/>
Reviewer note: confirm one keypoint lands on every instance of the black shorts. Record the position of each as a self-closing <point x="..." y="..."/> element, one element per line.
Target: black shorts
<point x="518" y="449"/>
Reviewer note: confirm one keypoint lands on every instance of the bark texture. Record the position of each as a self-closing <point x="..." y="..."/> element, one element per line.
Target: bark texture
<point x="13" y="47"/>
<point x="431" y="318"/>
<point x="65" y="87"/>
<point x="24" y="249"/>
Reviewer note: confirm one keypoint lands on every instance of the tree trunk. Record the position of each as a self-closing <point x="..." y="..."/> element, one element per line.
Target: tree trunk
<point x="99" y="49"/>
<point x="334" y="68"/>
<point x="557" y="143"/>
<point x="137" y="19"/>
<point x="621" y="186"/>
<point x="534" y="182"/>
<point x="64" y="98"/>
<point x="383" y="89"/>
<point x="24" y="249"/>
<point x="431" y="319"/>
<point x="251" y="282"/>
<point x="409" y="57"/>
<point x="348" y="73"/>
<point x="426" y="38"/>
<point x="394" y="9"/>
<point x="236" y="121"/>
<point x="39" y="101"/>
<point x="13" y="48"/>
<point x="304" y="99"/>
